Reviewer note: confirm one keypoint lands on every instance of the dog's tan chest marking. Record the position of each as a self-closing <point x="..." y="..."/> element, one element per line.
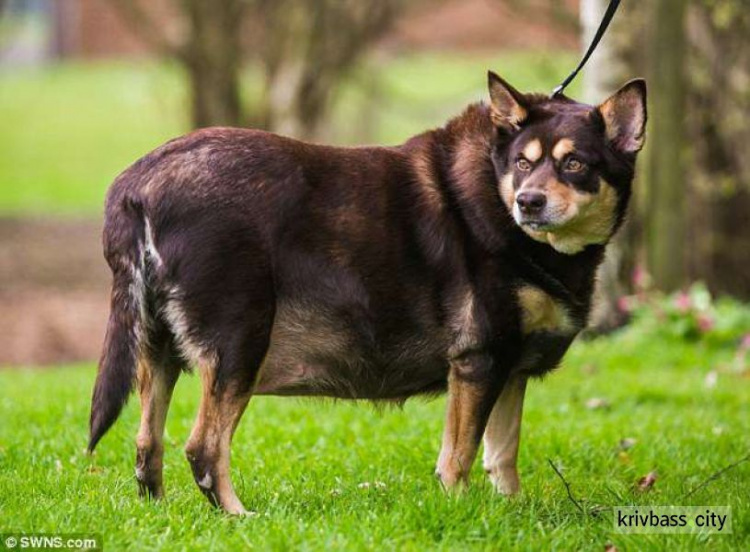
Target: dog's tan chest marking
<point x="540" y="312"/>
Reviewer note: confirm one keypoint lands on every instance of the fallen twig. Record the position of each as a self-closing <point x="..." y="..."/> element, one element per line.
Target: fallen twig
<point x="567" y="487"/>
<point x="716" y="475"/>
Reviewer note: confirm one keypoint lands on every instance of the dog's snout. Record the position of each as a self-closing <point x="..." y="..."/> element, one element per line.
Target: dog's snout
<point x="531" y="202"/>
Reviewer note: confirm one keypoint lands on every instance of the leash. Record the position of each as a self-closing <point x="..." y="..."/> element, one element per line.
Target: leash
<point x="608" y="16"/>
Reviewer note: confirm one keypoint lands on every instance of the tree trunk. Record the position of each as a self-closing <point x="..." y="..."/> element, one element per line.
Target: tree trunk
<point x="212" y="56"/>
<point x="667" y="187"/>
<point x="315" y="44"/>
<point x="602" y="76"/>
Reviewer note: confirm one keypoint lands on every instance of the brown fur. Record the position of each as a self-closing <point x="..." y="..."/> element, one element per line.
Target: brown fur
<point x="281" y="267"/>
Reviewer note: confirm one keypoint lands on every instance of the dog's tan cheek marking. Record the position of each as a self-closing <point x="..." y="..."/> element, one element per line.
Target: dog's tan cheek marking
<point x="593" y="224"/>
<point x="507" y="192"/>
<point x="562" y="148"/>
<point x="605" y="208"/>
<point x="533" y="150"/>
<point x="540" y="312"/>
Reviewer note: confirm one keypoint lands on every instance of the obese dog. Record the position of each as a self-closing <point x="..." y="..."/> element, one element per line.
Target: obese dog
<point x="463" y="260"/>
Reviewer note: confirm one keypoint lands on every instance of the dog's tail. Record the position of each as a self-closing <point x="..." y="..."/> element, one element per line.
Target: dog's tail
<point x="124" y="248"/>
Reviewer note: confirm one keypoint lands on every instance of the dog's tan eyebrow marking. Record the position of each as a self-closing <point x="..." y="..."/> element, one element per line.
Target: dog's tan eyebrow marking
<point x="533" y="150"/>
<point x="563" y="148"/>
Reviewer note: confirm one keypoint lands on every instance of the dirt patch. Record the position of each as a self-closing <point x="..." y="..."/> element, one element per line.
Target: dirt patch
<point x="54" y="291"/>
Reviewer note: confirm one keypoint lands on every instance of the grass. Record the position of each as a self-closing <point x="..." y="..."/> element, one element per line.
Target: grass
<point x="301" y="464"/>
<point x="67" y="130"/>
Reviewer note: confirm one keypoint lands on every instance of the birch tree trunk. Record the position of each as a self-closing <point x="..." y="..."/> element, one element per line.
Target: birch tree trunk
<point x="666" y="222"/>
<point x="603" y="74"/>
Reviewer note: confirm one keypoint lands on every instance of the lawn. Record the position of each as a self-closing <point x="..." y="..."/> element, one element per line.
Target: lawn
<point x="324" y="475"/>
<point x="67" y="130"/>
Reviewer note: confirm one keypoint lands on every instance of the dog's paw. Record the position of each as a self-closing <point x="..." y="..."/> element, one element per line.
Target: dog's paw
<point x="505" y="480"/>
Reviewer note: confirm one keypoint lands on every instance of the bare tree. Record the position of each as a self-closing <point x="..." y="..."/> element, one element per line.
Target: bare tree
<point x="310" y="45"/>
<point x="207" y="43"/>
<point x="304" y="46"/>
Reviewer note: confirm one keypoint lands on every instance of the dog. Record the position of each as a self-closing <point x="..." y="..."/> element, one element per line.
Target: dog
<point x="463" y="260"/>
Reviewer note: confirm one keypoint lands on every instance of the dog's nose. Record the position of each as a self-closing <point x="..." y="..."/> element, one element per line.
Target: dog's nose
<point x="531" y="202"/>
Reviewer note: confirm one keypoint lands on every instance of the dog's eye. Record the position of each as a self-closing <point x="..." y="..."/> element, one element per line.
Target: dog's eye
<point x="573" y="165"/>
<point x="523" y="164"/>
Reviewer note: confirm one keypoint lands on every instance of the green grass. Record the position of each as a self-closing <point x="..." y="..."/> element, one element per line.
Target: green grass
<point x="300" y="463"/>
<point x="66" y="131"/>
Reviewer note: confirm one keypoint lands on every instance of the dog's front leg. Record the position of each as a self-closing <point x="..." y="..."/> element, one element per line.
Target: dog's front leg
<point x="473" y="387"/>
<point x="502" y="435"/>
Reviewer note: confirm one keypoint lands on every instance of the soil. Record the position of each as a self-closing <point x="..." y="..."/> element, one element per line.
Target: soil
<point x="54" y="291"/>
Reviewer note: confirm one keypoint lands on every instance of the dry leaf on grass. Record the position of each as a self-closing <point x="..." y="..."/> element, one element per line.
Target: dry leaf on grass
<point x="597" y="403"/>
<point x="646" y="482"/>
<point x="711" y="379"/>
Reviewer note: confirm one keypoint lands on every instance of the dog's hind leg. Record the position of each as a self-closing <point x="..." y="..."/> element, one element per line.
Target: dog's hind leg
<point x="473" y="387"/>
<point x="156" y="381"/>
<point x="502" y="435"/>
<point x="227" y="378"/>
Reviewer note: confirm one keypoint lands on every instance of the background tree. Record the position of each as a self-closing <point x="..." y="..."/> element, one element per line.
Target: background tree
<point x="693" y="184"/>
<point x="206" y="41"/>
<point x="305" y="47"/>
<point x="308" y="47"/>
<point x="665" y="213"/>
<point x="604" y="73"/>
<point x="718" y="108"/>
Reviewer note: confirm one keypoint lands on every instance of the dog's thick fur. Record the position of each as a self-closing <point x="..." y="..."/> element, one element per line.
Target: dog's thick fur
<point x="464" y="259"/>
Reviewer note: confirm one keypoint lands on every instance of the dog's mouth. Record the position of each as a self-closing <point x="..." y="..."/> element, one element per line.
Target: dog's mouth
<point x="538" y="225"/>
<point x="545" y="221"/>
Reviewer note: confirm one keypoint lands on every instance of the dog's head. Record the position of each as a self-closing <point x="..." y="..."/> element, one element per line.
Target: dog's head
<point x="564" y="168"/>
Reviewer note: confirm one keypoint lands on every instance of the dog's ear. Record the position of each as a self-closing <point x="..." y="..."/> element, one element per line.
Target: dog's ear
<point x="508" y="111"/>
<point x="624" y="115"/>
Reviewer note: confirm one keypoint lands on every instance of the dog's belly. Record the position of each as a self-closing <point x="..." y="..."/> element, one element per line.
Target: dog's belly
<point x="313" y="353"/>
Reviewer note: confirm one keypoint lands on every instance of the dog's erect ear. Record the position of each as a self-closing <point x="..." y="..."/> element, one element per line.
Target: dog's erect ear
<point x="508" y="111"/>
<point x="624" y="116"/>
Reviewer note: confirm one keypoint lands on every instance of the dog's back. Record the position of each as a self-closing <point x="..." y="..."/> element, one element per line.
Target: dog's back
<point x="228" y="232"/>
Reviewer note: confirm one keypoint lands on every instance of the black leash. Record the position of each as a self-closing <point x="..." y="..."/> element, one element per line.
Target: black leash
<point x="608" y="15"/>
